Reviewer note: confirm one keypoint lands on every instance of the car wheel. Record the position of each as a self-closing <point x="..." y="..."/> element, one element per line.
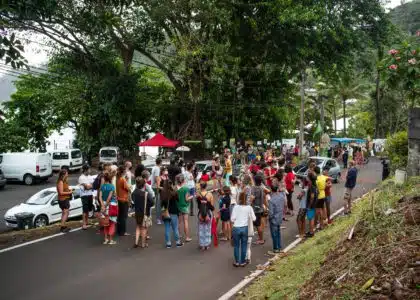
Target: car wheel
<point x="41" y="221"/>
<point x="28" y="179"/>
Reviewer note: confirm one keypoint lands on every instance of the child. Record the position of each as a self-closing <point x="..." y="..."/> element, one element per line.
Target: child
<point x="224" y="206"/>
<point x="205" y="177"/>
<point x="312" y="197"/>
<point x="328" y="194"/>
<point x="301" y="216"/>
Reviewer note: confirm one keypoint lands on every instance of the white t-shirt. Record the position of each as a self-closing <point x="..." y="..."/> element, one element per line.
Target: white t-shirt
<point x="86" y="179"/>
<point x="240" y="215"/>
<point x="234" y="197"/>
<point x="190" y="179"/>
<point x="155" y="173"/>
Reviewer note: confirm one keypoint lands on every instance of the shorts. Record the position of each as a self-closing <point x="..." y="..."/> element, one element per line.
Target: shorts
<point x="258" y="217"/>
<point x="310" y="214"/>
<point x="192" y="191"/>
<point x="225" y="215"/>
<point x="64" y="204"/>
<point x="320" y="203"/>
<point x="87" y="204"/>
<point x="301" y="215"/>
<point x="143" y="220"/>
<point x="328" y="199"/>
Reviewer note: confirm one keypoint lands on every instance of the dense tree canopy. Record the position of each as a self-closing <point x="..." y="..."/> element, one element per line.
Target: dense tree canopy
<point x="193" y="69"/>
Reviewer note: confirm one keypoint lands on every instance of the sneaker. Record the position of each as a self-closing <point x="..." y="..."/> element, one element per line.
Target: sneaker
<point x="112" y="242"/>
<point x="277" y="251"/>
<point x="65" y="229"/>
<point x="159" y="222"/>
<point x="105" y="242"/>
<point x="168" y="246"/>
<point x="178" y="245"/>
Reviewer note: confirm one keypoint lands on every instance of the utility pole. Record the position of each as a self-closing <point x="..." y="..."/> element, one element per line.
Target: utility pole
<point x="302" y="110"/>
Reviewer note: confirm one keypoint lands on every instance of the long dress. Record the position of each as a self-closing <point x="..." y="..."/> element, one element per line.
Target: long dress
<point x="204" y="228"/>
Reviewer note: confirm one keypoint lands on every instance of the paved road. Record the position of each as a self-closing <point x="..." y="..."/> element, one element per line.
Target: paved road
<point x="77" y="266"/>
<point x="16" y="192"/>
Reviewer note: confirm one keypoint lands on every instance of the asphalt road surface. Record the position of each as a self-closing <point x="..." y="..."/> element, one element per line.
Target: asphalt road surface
<point x="78" y="266"/>
<point x="15" y="193"/>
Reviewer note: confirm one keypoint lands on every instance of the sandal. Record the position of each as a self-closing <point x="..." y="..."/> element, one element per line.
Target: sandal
<point x="188" y="240"/>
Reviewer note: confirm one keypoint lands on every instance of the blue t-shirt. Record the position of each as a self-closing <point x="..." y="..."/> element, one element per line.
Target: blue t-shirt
<point x="106" y="188"/>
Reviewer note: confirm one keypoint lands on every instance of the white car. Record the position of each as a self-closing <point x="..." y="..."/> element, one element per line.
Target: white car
<point x="44" y="206"/>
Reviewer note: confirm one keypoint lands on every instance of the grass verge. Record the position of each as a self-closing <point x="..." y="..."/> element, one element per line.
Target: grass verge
<point x="376" y="262"/>
<point x="15" y="237"/>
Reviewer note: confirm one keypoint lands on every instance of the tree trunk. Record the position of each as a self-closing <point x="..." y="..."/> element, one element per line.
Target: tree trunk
<point x="335" y="117"/>
<point x="344" y="116"/>
<point x="377" y="108"/>
<point x="302" y="110"/>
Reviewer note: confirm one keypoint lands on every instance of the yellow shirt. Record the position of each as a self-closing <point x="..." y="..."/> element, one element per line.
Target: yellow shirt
<point x="321" y="183"/>
<point x="228" y="166"/>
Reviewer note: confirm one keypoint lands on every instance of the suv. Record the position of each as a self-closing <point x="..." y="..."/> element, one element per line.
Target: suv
<point x="2" y="180"/>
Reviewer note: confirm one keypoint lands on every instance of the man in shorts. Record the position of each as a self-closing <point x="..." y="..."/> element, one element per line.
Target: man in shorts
<point x="349" y="185"/>
<point x="86" y="193"/>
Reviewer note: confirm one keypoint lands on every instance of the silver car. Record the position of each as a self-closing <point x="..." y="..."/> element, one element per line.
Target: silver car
<point x="301" y="170"/>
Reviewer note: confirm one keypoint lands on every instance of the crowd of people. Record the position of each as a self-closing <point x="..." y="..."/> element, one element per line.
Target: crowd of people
<point x="240" y="206"/>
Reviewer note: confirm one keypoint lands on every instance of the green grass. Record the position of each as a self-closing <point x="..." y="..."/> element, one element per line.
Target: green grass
<point x="284" y="279"/>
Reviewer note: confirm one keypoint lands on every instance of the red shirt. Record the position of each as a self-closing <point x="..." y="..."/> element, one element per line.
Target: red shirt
<point x="254" y="169"/>
<point x="269" y="172"/>
<point x="205" y="177"/>
<point x="289" y="181"/>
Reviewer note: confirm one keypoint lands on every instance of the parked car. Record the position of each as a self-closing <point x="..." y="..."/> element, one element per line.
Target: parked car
<point x="2" y="180"/>
<point x="301" y="170"/>
<point x="110" y="155"/>
<point x="203" y="165"/>
<point x="71" y="159"/>
<point x="26" y="166"/>
<point x="44" y="206"/>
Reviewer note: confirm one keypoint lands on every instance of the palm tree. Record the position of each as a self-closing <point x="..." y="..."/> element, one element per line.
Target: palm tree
<point x="348" y="85"/>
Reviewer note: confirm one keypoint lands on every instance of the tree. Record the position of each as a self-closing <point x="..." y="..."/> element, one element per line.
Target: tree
<point x="348" y="85"/>
<point x="407" y="16"/>
<point x="189" y="40"/>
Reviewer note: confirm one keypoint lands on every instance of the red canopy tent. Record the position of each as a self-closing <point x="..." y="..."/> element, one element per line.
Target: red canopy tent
<point x="159" y="140"/>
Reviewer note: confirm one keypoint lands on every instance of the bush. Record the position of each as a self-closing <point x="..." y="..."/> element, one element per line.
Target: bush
<point x="396" y="147"/>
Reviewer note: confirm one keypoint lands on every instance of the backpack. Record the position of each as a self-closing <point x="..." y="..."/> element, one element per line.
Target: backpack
<point x="258" y="193"/>
<point x="97" y="182"/>
<point x="203" y="209"/>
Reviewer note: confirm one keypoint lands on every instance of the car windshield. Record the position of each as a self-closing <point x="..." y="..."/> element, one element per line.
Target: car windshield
<point x="108" y="153"/>
<point x="305" y="163"/>
<point x="76" y="154"/>
<point x="40" y="198"/>
<point x="200" y="167"/>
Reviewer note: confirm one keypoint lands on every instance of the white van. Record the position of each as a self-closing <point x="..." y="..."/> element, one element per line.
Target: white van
<point x="109" y="155"/>
<point x="26" y="167"/>
<point x="67" y="158"/>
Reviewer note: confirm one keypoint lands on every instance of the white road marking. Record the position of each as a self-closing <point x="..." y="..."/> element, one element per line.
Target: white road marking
<point x="38" y="240"/>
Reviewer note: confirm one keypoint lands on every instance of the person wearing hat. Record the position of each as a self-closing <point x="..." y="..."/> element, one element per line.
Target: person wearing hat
<point x="86" y="193"/>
